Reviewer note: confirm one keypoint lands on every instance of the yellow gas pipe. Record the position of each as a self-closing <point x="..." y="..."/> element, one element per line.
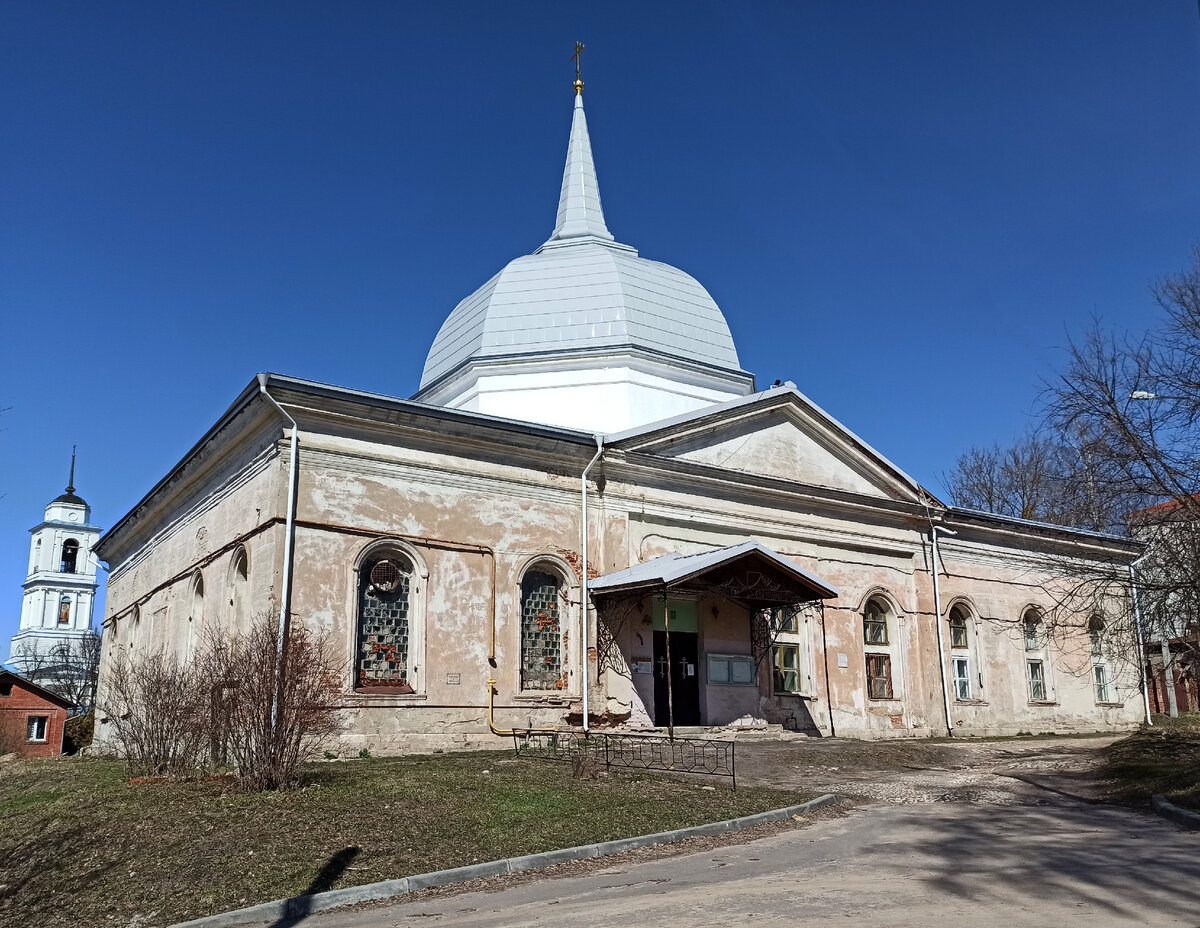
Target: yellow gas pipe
<point x="491" y="685"/>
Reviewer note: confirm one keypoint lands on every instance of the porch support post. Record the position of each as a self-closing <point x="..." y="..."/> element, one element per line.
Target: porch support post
<point x="670" y="666"/>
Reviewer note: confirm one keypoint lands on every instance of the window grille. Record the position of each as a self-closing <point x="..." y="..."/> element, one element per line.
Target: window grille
<point x="541" y="632"/>
<point x="383" y="625"/>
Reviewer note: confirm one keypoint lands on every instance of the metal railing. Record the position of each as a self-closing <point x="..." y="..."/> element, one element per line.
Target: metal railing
<point x="633" y="751"/>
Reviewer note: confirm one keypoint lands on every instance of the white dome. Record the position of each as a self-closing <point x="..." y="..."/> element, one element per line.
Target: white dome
<point x="584" y="297"/>
<point x="584" y="323"/>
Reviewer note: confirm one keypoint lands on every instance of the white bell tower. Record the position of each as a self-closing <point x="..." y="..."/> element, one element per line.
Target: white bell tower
<point x="60" y="588"/>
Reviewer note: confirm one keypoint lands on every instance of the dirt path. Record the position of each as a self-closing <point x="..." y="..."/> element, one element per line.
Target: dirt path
<point x="1003" y="772"/>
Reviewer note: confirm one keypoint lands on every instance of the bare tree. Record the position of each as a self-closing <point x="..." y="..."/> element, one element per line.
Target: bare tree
<point x="69" y="669"/>
<point x="1045" y="476"/>
<point x="1138" y="400"/>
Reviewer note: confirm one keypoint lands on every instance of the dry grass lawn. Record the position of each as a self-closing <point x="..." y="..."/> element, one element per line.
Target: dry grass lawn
<point x="80" y="846"/>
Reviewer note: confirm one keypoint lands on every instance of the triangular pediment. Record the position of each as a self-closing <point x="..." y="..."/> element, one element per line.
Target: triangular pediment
<point x="778" y="434"/>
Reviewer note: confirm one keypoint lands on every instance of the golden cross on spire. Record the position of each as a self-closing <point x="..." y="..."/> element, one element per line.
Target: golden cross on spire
<point x="578" y="54"/>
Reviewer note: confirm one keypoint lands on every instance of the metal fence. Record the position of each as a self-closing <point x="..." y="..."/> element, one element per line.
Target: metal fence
<point x="636" y="752"/>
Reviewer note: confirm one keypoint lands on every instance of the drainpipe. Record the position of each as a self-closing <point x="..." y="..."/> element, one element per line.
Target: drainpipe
<point x="583" y="599"/>
<point x="937" y="607"/>
<point x="1141" y="645"/>
<point x="285" y="596"/>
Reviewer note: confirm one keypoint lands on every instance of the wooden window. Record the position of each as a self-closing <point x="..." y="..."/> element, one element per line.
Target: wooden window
<point x="1033" y="632"/>
<point x="731" y="669"/>
<point x="541" y="632"/>
<point x="875" y="626"/>
<point x="1100" y="673"/>
<point x="1037" y="681"/>
<point x="958" y="628"/>
<point x="785" y="663"/>
<point x="35" y="727"/>
<point x="784" y="619"/>
<point x="879" y="676"/>
<point x="962" y="677"/>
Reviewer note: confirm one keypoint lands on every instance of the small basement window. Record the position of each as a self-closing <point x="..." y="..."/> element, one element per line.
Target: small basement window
<point x="35" y="729"/>
<point x="731" y="669"/>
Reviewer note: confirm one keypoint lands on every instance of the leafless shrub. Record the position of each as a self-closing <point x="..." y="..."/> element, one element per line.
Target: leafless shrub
<point x="266" y="726"/>
<point x="231" y="705"/>
<point x="155" y="704"/>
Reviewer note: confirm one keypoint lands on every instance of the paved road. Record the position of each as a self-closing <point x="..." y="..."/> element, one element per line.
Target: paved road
<point x="1046" y="861"/>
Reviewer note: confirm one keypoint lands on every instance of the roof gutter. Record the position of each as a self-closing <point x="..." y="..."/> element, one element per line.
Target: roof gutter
<point x="285" y="596"/>
<point x="583" y="598"/>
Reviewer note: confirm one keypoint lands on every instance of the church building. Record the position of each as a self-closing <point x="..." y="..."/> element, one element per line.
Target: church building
<point x="590" y="516"/>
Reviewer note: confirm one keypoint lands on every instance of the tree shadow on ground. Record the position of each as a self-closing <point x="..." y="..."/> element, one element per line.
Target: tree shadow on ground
<point x="1057" y="850"/>
<point x="299" y="907"/>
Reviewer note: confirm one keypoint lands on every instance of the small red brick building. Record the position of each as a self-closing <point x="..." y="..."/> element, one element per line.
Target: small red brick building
<point x="31" y="717"/>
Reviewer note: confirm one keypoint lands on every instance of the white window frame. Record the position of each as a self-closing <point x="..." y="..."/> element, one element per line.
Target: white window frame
<point x="1102" y="682"/>
<point x="1030" y="663"/>
<point x="31" y="726"/>
<point x="962" y="682"/>
<point x="800" y="637"/>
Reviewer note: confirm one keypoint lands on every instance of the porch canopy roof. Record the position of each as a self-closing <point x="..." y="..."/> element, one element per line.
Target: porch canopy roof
<point x="749" y="571"/>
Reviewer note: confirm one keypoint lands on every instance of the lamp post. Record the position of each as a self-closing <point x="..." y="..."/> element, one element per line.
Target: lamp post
<point x="1168" y="675"/>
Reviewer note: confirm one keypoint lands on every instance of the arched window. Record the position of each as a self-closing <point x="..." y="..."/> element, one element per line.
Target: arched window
<point x="195" y="613"/>
<point x="1100" y="669"/>
<point x="1037" y="669"/>
<point x="960" y="651"/>
<point x="876" y="639"/>
<point x="385" y="624"/>
<point x="239" y="588"/>
<point x="64" y="611"/>
<point x="1031" y="625"/>
<point x="70" y="554"/>
<point x="542" y="618"/>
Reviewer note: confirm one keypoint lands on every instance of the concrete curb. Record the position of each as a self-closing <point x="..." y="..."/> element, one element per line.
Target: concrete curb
<point x="1168" y="810"/>
<point x="299" y="906"/>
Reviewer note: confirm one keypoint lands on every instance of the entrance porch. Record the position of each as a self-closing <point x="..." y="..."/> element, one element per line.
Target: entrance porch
<point x="727" y="637"/>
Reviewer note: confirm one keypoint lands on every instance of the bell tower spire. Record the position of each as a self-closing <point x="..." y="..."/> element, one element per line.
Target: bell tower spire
<point x="71" y="479"/>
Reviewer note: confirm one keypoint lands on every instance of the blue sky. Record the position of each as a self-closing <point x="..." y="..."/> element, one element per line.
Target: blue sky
<point x="906" y="208"/>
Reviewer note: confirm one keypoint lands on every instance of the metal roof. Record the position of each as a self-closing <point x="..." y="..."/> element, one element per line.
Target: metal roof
<point x="671" y="569"/>
<point x="583" y="290"/>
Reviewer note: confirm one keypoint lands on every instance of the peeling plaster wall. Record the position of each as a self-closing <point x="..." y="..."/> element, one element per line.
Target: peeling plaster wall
<point x="466" y="506"/>
<point x="148" y="604"/>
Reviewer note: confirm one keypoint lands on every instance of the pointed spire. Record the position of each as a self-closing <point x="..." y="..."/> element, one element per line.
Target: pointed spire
<point x="579" y="212"/>
<point x="71" y="480"/>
